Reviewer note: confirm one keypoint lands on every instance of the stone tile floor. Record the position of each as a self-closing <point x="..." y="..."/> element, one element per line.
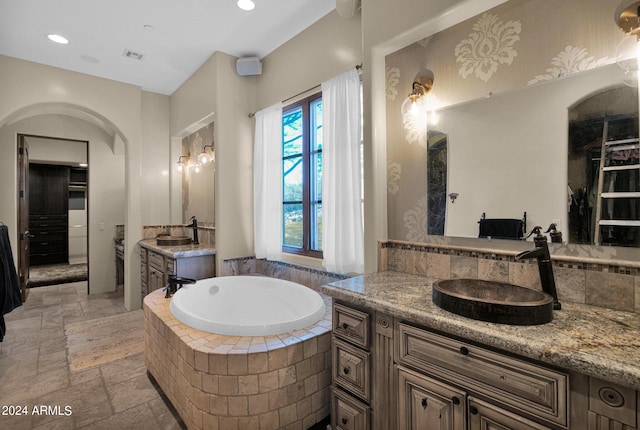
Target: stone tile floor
<point x="36" y="378"/>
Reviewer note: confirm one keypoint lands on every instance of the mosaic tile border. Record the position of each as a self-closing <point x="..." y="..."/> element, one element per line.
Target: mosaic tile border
<point x="508" y="257"/>
<point x="310" y="276"/>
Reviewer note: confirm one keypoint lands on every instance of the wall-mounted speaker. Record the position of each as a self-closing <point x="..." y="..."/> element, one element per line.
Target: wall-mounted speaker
<point x="249" y="66"/>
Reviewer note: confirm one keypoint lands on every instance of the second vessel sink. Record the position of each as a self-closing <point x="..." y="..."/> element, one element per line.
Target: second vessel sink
<point x="493" y="301"/>
<point x="173" y="240"/>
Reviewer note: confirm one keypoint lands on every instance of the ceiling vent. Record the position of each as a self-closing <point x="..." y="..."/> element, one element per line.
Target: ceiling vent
<point x="133" y="55"/>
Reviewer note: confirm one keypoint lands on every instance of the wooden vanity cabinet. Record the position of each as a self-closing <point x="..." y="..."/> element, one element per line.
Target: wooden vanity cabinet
<point x="351" y="369"/>
<point x="156" y="268"/>
<point x="401" y="376"/>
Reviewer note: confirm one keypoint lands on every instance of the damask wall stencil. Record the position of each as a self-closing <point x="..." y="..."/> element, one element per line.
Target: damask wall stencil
<point x="571" y="60"/>
<point x="415" y="221"/>
<point x="490" y="44"/>
<point x="393" y="176"/>
<point x="392" y="81"/>
<point x="511" y="46"/>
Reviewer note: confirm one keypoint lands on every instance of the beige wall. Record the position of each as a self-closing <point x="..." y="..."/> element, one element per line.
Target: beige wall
<point x="29" y="89"/>
<point x="326" y="49"/>
<point x="106" y="188"/>
<point x="329" y="47"/>
<point x="156" y="160"/>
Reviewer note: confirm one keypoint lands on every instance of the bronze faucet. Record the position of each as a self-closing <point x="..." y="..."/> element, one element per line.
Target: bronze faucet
<point x="541" y="253"/>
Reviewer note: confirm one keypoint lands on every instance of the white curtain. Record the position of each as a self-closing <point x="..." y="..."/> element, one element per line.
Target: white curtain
<point x="267" y="183"/>
<point x="342" y="231"/>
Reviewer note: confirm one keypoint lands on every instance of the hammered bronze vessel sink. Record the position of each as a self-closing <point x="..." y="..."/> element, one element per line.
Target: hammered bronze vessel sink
<point x="173" y="240"/>
<point x="493" y="301"/>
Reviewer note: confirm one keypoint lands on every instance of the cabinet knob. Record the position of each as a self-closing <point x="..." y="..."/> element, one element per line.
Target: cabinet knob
<point x="345" y="370"/>
<point x="424" y="402"/>
<point x="344" y="421"/>
<point x="464" y="350"/>
<point x="473" y="410"/>
<point x="345" y="326"/>
<point x="455" y="400"/>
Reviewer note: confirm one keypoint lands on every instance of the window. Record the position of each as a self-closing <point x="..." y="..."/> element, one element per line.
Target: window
<point x="302" y="177"/>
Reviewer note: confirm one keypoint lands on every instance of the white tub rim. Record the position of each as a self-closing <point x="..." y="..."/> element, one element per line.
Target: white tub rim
<point x="203" y="319"/>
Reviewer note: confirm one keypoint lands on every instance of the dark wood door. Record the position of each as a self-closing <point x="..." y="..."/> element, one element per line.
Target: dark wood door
<point x="23" y="216"/>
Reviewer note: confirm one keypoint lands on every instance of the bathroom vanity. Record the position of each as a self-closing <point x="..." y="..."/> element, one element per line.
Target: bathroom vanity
<point x="188" y="261"/>
<point x="400" y="362"/>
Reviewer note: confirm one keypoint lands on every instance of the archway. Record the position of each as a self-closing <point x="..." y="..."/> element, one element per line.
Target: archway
<point x="115" y="140"/>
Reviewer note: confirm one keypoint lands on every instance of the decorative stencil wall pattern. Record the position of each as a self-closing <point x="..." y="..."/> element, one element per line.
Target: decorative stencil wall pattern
<point x="571" y="60"/>
<point x="490" y="44"/>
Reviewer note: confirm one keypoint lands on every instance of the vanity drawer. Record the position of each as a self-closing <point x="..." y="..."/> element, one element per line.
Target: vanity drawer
<point x="348" y="413"/>
<point x="534" y="389"/>
<point x="351" y="369"/>
<point x="156" y="261"/>
<point x="170" y="266"/>
<point x="351" y="324"/>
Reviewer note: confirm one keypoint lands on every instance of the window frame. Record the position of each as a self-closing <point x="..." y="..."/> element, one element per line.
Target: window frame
<point x="308" y="184"/>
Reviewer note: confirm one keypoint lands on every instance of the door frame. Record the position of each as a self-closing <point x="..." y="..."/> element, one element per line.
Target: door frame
<point x="23" y="207"/>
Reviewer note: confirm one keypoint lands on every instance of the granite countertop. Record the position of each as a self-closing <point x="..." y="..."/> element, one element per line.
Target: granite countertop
<point x="182" y="251"/>
<point x="594" y="341"/>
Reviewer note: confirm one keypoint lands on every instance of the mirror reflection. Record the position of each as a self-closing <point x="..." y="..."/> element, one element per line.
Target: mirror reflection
<point x="524" y="131"/>
<point x="198" y="176"/>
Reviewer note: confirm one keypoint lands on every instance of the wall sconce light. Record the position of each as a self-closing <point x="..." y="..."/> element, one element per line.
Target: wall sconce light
<point x="415" y="108"/>
<point x="181" y="164"/>
<point x="420" y="87"/>
<point x="422" y="84"/>
<point x="206" y="157"/>
<point x="453" y="197"/>
<point x="628" y="17"/>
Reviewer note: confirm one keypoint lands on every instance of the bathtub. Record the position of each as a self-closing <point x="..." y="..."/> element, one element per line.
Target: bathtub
<point x="247" y="306"/>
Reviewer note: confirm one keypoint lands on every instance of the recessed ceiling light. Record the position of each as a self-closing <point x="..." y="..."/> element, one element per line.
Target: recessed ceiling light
<point x="246" y="4"/>
<point x="57" y="38"/>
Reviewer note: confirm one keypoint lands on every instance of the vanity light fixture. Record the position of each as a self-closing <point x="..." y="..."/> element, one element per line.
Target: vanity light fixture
<point x="246" y="4"/>
<point x="181" y="164"/>
<point x="422" y="84"/>
<point x="453" y="197"/>
<point x="206" y="157"/>
<point x="627" y="17"/>
<point x="420" y="87"/>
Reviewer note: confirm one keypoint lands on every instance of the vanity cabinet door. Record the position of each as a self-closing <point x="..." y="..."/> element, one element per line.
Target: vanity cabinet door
<point x="156" y="279"/>
<point x="425" y="403"/>
<point x="485" y="416"/>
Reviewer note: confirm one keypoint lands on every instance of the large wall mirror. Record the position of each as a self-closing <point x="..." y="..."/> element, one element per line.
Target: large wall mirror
<point x="198" y="187"/>
<point x="527" y="112"/>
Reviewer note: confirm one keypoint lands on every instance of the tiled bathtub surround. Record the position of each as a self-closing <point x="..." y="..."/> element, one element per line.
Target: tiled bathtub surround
<point x="227" y="382"/>
<point x="206" y="232"/>
<point x="604" y="284"/>
<point x="308" y="276"/>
